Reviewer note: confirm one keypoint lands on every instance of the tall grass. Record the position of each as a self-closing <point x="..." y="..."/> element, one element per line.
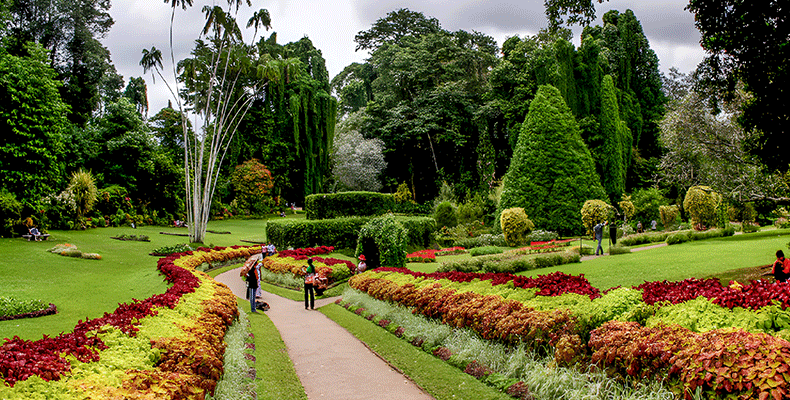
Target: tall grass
<point x="236" y="382"/>
<point x="543" y="377"/>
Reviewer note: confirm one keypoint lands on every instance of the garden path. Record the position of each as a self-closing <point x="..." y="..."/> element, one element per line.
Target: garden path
<point x="330" y="362"/>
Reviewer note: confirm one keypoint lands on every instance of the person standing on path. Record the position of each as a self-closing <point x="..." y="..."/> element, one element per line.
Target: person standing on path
<point x="598" y="229"/>
<point x="252" y="286"/>
<point x="308" y="285"/>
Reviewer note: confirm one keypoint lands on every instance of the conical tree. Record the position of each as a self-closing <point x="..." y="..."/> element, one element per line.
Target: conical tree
<point x="615" y="150"/>
<point x="551" y="173"/>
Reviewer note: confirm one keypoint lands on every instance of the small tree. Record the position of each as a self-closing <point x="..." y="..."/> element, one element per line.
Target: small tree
<point x="358" y="161"/>
<point x="669" y="214"/>
<point x="252" y="182"/>
<point x="595" y="212"/>
<point x="700" y="204"/>
<point x="403" y="194"/>
<point x="516" y="226"/>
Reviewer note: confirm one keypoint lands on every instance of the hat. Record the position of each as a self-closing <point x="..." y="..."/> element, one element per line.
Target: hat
<point x="362" y="257"/>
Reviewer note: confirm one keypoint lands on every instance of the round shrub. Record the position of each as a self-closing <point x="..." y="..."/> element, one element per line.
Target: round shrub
<point x="700" y="204"/>
<point x="515" y="226"/>
<point x="383" y="242"/>
<point x="593" y="213"/>
<point x="445" y="215"/>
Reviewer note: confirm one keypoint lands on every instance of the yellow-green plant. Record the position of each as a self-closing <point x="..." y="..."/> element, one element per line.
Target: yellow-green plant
<point x="83" y="187"/>
<point x="595" y="212"/>
<point x="627" y="207"/>
<point x="403" y="194"/>
<point x="700" y="204"/>
<point x="515" y="226"/>
<point x="669" y="215"/>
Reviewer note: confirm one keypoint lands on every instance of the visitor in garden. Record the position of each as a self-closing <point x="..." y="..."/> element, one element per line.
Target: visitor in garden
<point x="309" y="291"/>
<point x="361" y="267"/>
<point x="639" y="227"/>
<point x="781" y="267"/>
<point x="252" y="287"/>
<point x="598" y="229"/>
<point x="271" y="249"/>
<point x="35" y="233"/>
<point x="258" y="266"/>
<point x="653" y="224"/>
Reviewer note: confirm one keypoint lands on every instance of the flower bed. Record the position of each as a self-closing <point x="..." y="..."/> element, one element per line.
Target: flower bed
<point x="168" y="346"/>
<point x="543" y="247"/>
<point x="559" y="316"/>
<point x="292" y="261"/>
<point x="429" y="255"/>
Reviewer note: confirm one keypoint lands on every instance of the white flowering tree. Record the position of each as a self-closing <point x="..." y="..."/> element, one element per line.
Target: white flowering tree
<point x="358" y="161"/>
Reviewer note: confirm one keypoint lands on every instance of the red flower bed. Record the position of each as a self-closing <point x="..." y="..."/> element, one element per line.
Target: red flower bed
<point x="429" y="255"/>
<point x="753" y="296"/>
<point x="306" y="252"/>
<point x="21" y="359"/>
<point x="554" y="284"/>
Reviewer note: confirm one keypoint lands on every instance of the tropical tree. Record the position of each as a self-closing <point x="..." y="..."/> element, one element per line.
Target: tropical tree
<point x="215" y="92"/>
<point x="252" y="184"/>
<point x="83" y="188"/>
<point x="357" y="161"/>
<point x="552" y="172"/>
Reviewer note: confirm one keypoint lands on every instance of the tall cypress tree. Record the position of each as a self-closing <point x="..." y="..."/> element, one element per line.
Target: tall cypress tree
<point x="552" y="172"/>
<point x="615" y="149"/>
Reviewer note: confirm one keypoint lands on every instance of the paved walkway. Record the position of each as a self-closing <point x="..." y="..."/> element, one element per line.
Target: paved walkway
<point x="333" y="364"/>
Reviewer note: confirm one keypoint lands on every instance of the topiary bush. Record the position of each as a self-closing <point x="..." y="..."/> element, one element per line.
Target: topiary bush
<point x="669" y="215"/>
<point x="552" y="172"/>
<point x="486" y="250"/>
<point x="341" y="232"/>
<point x="445" y="215"/>
<point x="515" y="226"/>
<point x="383" y="242"/>
<point x="701" y="205"/>
<point x="595" y="212"/>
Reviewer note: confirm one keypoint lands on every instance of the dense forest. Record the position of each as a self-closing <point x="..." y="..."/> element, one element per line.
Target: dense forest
<point x="432" y="113"/>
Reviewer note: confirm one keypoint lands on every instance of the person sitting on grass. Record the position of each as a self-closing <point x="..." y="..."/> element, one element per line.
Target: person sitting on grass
<point x="781" y="267"/>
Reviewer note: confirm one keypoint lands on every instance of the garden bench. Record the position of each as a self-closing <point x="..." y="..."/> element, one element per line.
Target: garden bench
<point x="43" y="236"/>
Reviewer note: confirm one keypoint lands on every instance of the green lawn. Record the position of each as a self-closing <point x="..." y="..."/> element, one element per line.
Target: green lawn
<point x="83" y="289"/>
<point x="701" y="259"/>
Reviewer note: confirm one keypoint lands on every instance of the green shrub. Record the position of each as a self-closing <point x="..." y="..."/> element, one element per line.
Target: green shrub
<point x="10" y="212"/>
<point x="383" y="241"/>
<point x="177" y="248"/>
<point x="515" y="226"/>
<point x="749" y="227"/>
<point x="341" y="232"/>
<point x="647" y="204"/>
<point x="10" y="306"/>
<point x="486" y="250"/>
<point x="445" y="215"/>
<point x="619" y="248"/>
<point x="700" y="204"/>
<point x="643" y="238"/>
<point x="482" y="240"/>
<point x="669" y="215"/>
<point x="348" y="204"/>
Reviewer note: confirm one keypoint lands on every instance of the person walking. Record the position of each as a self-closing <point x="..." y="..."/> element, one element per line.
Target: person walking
<point x="598" y="229"/>
<point x="362" y="266"/>
<point x="309" y="290"/>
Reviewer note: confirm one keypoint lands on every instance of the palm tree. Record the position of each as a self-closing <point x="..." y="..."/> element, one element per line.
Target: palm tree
<point x="83" y="187"/>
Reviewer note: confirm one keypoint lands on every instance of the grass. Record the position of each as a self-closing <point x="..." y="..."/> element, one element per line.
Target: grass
<point x="83" y="289"/>
<point x="701" y="259"/>
<point x="276" y="377"/>
<point x="436" y="377"/>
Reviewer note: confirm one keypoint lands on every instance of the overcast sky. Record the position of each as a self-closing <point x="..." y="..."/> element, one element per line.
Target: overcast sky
<point x="331" y="25"/>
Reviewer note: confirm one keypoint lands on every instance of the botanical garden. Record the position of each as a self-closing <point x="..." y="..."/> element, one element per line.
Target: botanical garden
<point x="476" y="180"/>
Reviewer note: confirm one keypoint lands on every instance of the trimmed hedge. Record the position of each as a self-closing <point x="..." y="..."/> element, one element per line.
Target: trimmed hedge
<point x="509" y="262"/>
<point x="348" y="204"/>
<point x="341" y="232"/>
